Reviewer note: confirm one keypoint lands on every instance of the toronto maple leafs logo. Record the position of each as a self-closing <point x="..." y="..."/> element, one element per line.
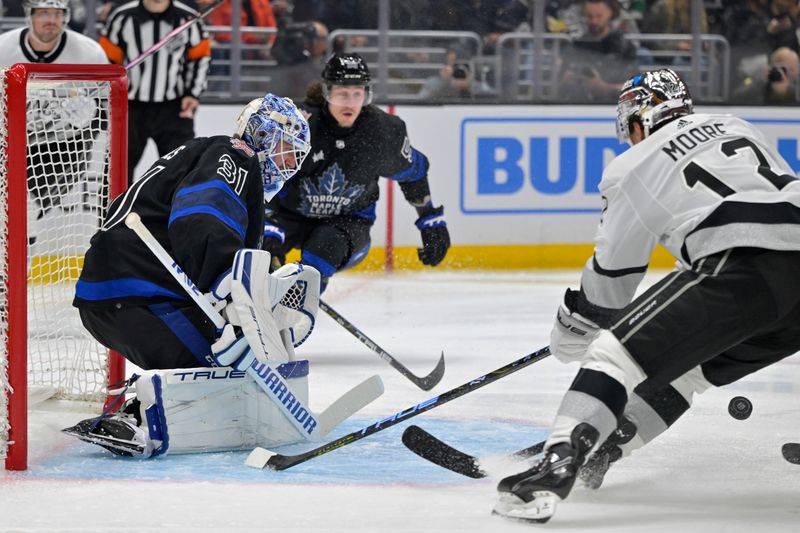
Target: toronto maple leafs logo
<point x="331" y="194"/>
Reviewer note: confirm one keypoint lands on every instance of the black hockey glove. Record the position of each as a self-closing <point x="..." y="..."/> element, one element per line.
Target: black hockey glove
<point x="435" y="237"/>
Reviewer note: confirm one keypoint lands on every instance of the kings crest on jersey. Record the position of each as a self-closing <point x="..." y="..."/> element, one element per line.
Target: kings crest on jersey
<point x="341" y="175"/>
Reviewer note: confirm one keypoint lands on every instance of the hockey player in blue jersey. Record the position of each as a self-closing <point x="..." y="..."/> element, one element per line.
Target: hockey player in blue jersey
<point x="204" y="201"/>
<point x="328" y="209"/>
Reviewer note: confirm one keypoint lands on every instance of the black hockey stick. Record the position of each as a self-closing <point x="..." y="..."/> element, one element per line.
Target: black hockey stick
<point x="424" y="383"/>
<point x="791" y="452"/>
<point x="261" y="458"/>
<point x="440" y="453"/>
<point x="168" y="37"/>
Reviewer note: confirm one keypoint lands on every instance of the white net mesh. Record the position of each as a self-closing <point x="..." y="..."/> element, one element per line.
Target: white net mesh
<point x="67" y="193"/>
<point x="297" y="311"/>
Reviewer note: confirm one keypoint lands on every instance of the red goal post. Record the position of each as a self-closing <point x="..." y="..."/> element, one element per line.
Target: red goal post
<point x="63" y="156"/>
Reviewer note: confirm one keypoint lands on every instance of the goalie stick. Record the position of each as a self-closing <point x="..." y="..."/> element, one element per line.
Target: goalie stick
<point x="791" y="452"/>
<point x="307" y="422"/>
<point x="440" y="453"/>
<point x="261" y="458"/>
<point x="168" y="37"/>
<point x="424" y="383"/>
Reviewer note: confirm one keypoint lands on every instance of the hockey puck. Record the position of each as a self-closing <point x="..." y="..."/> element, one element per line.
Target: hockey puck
<point x="791" y="452"/>
<point x="740" y="408"/>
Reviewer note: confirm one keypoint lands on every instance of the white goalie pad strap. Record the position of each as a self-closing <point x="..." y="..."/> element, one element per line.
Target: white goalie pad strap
<point x="252" y="292"/>
<point x="220" y="291"/>
<point x="219" y="409"/>
<point x="296" y="312"/>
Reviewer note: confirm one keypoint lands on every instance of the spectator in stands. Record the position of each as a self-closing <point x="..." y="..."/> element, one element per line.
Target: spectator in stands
<point x="672" y="16"/>
<point x="163" y="90"/>
<point x="567" y="16"/>
<point x="300" y="51"/>
<point x="744" y="25"/>
<point x="782" y="27"/>
<point x="601" y="58"/>
<point x="257" y="13"/>
<point x="777" y="84"/>
<point x="503" y="16"/>
<point x="454" y="80"/>
<point x="254" y="45"/>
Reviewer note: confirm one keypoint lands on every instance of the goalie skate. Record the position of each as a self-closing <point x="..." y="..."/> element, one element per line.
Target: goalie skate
<point x="117" y="433"/>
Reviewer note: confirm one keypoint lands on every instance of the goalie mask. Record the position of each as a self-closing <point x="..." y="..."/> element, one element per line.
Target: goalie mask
<point x="652" y="98"/>
<point x="277" y="131"/>
<point x="30" y="5"/>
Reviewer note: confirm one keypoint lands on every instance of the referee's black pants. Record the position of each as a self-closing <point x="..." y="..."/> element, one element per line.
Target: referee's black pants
<point x="159" y="121"/>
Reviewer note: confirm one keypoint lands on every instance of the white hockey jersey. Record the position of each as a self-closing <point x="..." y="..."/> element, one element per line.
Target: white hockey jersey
<point x="697" y="186"/>
<point x="73" y="48"/>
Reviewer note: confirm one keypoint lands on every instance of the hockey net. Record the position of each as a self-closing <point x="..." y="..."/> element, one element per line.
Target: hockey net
<point x="63" y="152"/>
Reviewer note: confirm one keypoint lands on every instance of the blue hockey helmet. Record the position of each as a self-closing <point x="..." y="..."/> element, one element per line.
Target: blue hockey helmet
<point x="278" y="132"/>
<point x="652" y="98"/>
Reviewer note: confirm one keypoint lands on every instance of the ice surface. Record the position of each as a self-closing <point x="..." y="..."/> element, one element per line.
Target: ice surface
<point x="710" y="473"/>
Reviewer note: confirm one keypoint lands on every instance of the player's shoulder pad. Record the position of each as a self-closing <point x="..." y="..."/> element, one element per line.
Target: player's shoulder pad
<point x="384" y="125"/>
<point x="11" y="37"/>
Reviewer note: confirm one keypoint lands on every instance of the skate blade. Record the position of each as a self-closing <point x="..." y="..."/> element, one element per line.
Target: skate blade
<point x="539" y="510"/>
<point x="115" y="446"/>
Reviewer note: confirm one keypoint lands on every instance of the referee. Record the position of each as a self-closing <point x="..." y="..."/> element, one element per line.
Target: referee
<point x="163" y="90"/>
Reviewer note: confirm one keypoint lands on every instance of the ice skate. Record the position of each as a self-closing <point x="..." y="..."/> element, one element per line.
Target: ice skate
<point x="594" y="471"/>
<point x="533" y="495"/>
<point x="119" y="433"/>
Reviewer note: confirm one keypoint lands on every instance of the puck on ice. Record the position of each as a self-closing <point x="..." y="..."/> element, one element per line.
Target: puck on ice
<point x="740" y="407"/>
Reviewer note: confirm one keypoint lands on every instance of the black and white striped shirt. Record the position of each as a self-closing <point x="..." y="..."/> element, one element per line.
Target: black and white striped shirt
<point x="178" y="69"/>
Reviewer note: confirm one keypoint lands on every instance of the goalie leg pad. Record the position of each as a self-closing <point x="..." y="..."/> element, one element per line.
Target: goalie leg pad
<point x="219" y="409"/>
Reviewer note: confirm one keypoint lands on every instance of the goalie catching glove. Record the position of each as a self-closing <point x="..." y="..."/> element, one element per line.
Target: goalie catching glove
<point x="572" y="332"/>
<point x="264" y="304"/>
<point x="276" y="311"/>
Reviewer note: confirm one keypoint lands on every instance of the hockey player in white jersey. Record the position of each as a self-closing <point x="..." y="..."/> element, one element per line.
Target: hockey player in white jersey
<point x="46" y="39"/>
<point x="711" y="190"/>
<point x="63" y="125"/>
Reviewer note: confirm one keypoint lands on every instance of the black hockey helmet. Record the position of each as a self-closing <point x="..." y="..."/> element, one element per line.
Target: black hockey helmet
<point x="652" y="98"/>
<point x="346" y="69"/>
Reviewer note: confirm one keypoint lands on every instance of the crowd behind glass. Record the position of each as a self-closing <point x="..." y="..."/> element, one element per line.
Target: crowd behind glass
<point x="742" y="52"/>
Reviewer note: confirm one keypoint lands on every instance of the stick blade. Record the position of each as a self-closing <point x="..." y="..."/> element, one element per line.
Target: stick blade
<point x="349" y="403"/>
<point x="259" y="458"/>
<point x="432" y="379"/>
<point x="432" y="449"/>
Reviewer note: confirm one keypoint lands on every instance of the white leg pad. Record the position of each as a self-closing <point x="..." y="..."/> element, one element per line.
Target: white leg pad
<point x="217" y="409"/>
